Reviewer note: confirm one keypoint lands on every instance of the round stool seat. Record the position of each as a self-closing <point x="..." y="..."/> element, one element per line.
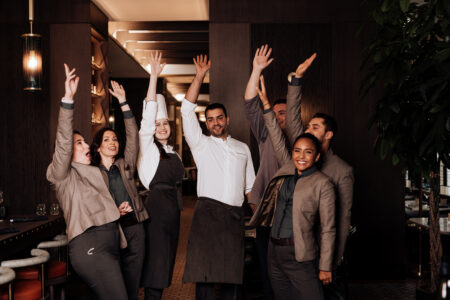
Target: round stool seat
<point x="23" y="290"/>
<point x="27" y="273"/>
<point x="56" y="269"/>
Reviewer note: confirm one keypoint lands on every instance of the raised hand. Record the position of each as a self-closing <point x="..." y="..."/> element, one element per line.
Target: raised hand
<point x="155" y="63"/>
<point x="202" y="64"/>
<point x="301" y="69"/>
<point x="118" y="91"/>
<point x="261" y="59"/>
<point x="71" y="83"/>
<point x="263" y="94"/>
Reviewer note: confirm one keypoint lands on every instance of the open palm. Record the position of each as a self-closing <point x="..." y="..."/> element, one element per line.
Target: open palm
<point x="301" y="69"/>
<point x="261" y="59"/>
<point x="202" y="64"/>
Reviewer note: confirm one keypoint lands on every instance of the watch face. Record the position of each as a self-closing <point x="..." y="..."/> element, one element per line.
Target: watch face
<point x="290" y="75"/>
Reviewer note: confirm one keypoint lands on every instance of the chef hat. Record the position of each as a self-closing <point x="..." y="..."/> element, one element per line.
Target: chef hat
<point x="162" y="109"/>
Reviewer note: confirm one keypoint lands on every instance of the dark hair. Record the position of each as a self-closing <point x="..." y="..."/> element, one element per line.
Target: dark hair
<point x="76" y="132"/>
<point x="96" y="143"/>
<point x="328" y="121"/>
<point x="279" y="101"/>
<point x="215" y="106"/>
<point x="162" y="153"/>
<point x="315" y="141"/>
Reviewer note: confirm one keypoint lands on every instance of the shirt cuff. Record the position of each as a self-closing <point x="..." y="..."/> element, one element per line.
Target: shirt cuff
<point x="267" y="110"/>
<point x="67" y="103"/>
<point x="128" y="114"/>
<point x="296" y="81"/>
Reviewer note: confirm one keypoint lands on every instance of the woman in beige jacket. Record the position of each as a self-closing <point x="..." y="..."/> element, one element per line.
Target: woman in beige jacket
<point x="299" y="206"/>
<point x="89" y="210"/>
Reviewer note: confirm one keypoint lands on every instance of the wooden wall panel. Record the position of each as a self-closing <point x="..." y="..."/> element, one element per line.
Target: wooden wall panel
<point x="23" y="116"/>
<point x="291" y="45"/>
<point x="230" y="69"/>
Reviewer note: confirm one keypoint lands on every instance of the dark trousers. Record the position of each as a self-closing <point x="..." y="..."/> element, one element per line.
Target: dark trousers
<point x="153" y="294"/>
<point x="95" y="257"/>
<point x="205" y="291"/>
<point x="262" y="245"/>
<point x="132" y="258"/>
<point x="292" y="279"/>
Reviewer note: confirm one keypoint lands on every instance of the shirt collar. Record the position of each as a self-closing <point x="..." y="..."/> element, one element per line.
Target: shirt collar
<point x="306" y="172"/>
<point x="103" y="168"/>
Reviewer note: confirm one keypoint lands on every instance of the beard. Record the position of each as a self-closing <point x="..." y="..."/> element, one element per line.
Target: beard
<point x="218" y="131"/>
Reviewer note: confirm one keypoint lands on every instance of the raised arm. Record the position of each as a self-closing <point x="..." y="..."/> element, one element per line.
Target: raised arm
<point x="131" y="131"/>
<point x="62" y="158"/>
<point x="294" y="125"/>
<point x="149" y="154"/>
<point x="276" y="134"/>
<point x="191" y="127"/>
<point x="252" y="103"/>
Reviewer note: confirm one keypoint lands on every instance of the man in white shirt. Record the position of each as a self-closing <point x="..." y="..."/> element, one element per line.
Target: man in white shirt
<point x="215" y="251"/>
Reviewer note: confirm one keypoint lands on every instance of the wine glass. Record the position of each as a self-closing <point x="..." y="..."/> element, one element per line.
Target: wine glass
<point x="54" y="209"/>
<point x="41" y="209"/>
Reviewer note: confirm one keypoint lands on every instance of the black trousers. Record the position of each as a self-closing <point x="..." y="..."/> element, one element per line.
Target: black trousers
<point x="205" y="291"/>
<point x="95" y="257"/>
<point x="132" y="258"/>
<point x="262" y="245"/>
<point x="292" y="279"/>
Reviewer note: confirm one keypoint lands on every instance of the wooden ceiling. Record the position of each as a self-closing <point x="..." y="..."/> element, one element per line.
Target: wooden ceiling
<point x="179" y="42"/>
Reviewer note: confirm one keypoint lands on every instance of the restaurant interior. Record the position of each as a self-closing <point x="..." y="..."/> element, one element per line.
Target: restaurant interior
<point x="387" y="254"/>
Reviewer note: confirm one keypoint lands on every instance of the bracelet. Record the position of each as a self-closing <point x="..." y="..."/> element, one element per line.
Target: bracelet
<point x="123" y="103"/>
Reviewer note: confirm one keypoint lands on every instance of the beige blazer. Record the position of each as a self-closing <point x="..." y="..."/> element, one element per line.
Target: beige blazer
<point x="339" y="172"/>
<point x="81" y="190"/>
<point x="313" y="204"/>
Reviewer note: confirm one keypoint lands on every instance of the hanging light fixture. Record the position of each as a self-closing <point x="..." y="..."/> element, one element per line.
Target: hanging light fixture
<point x="32" y="55"/>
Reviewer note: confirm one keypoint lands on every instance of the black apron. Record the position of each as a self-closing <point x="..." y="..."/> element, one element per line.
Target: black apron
<point x="215" y="251"/>
<point x="163" y="204"/>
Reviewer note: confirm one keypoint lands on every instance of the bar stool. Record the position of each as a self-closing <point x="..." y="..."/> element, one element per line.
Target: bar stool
<point x="29" y="289"/>
<point x="7" y="276"/>
<point x="57" y="270"/>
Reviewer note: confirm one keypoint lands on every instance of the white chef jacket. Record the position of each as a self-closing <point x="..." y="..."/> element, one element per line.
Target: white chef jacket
<point x="225" y="167"/>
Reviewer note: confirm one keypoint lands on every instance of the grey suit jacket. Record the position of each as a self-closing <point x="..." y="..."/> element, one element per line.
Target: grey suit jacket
<point x="340" y="173"/>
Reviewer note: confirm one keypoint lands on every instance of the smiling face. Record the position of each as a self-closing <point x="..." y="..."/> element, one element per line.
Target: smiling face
<point x="109" y="146"/>
<point x="304" y="154"/>
<point x="280" y="114"/>
<point x="162" y="132"/>
<point x="217" y="122"/>
<point x="81" y="153"/>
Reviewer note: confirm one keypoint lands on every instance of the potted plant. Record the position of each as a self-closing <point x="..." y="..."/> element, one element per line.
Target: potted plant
<point x="407" y="63"/>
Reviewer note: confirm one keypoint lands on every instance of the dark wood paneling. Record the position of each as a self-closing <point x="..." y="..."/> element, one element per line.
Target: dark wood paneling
<point x="24" y="139"/>
<point x="286" y="11"/>
<point x="292" y="44"/>
<point x="229" y="73"/>
<point x="98" y="19"/>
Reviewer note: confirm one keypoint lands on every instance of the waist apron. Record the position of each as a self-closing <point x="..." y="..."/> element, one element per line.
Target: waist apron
<point x="215" y="251"/>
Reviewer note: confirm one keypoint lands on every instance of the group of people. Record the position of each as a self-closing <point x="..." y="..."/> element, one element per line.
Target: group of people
<point x="301" y="196"/>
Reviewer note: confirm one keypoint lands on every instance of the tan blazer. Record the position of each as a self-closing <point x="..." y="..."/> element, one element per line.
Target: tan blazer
<point x="127" y="167"/>
<point x="313" y="204"/>
<point x="81" y="190"/>
<point x="340" y="173"/>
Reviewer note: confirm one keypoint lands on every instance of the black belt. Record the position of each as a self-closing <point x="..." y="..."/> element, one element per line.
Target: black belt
<point x="282" y="241"/>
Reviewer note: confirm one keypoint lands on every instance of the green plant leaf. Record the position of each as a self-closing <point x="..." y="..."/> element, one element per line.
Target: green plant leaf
<point x="395" y="159"/>
<point x="385" y="6"/>
<point x="442" y="55"/>
<point x="404" y="4"/>
<point x="384" y="148"/>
